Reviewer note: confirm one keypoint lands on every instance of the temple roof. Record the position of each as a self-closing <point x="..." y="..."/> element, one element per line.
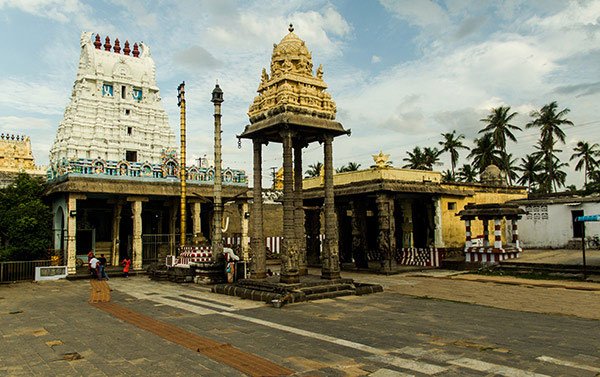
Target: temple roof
<point x="292" y="87"/>
<point x="491" y="210"/>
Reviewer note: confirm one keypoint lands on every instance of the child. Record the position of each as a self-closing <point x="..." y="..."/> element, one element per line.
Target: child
<point x="126" y="263"/>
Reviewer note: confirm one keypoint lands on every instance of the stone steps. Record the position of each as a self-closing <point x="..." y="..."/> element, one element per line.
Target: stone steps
<point x="329" y="294"/>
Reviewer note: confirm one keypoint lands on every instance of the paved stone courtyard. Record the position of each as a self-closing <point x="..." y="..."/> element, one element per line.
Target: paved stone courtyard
<point x="433" y="323"/>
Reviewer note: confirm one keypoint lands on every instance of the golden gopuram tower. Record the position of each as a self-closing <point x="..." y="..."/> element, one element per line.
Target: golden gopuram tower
<point x="293" y="108"/>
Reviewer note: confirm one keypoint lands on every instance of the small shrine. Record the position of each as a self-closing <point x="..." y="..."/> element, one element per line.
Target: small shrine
<point x="293" y="108"/>
<point x="479" y="249"/>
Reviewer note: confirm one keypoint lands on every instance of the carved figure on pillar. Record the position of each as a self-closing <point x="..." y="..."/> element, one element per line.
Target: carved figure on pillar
<point x="386" y="242"/>
<point x="257" y="241"/>
<point x="289" y="256"/>
<point x="299" y="210"/>
<point x="331" y="258"/>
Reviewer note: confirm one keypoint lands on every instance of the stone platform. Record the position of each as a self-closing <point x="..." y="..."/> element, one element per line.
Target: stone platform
<point x="311" y="287"/>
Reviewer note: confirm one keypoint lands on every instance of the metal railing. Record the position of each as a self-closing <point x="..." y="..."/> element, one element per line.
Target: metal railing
<point x="20" y="270"/>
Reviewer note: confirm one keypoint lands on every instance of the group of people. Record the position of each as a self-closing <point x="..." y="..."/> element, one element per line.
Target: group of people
<point x="97" y="266"/>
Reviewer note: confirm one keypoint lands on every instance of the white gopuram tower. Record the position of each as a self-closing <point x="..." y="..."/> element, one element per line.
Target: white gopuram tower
<point x="115" y="113"/>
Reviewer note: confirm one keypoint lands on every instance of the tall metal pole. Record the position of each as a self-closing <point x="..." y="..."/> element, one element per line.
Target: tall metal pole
<point x="217" y="239"/>
<point x="182" y="168"/>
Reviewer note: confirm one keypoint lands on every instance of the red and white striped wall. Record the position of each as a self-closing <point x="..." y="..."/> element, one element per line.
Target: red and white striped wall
<point x="427" y="257"/>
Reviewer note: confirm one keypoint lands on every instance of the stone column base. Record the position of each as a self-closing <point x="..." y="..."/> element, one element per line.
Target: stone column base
<point x="289" y="279"/>
<point x="330" y="275"/>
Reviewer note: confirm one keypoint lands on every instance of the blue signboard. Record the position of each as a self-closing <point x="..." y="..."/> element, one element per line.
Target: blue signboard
<point x="588" y="218"/>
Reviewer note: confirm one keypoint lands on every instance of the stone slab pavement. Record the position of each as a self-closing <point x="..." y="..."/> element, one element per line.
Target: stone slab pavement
<point x="559" y="256"/>
<point x="425" y="323"/>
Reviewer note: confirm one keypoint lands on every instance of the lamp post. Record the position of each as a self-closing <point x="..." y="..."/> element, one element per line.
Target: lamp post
<point x="182" y="169"/>
<point x="217" y="239"/>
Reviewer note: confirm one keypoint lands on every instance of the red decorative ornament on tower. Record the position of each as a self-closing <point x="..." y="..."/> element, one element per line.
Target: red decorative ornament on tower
<point x="117" y="47"/>
<point x="97" y="42"/>
<point x="107" y="45"/>
<point x="126" y="50"/>
<point x="136" y="51"/>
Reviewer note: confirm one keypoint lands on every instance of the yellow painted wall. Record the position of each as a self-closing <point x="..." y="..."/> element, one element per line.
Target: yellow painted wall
<point x="453" y="228"/>
<point x="407" y="175"/>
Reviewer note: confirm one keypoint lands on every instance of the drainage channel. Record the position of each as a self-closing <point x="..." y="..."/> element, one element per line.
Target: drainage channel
<point x="224" y="353"/>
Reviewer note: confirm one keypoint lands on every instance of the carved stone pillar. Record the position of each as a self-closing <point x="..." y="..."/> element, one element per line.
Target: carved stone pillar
<point x="438" y="240"/>
<point x="197" y="236"/>
<point x="386" y="242"/>
<point x="331" y="258"/>
<point x="72" y="234"/>
<point x="359" y="230"/>
<point x="289" y="255"/>
<point x="136" y="212"/>
<point x="257" y="240"/>
<point x="245" y="249"/>
<point x="116" y="229"/>
<point x="299" y="211"/>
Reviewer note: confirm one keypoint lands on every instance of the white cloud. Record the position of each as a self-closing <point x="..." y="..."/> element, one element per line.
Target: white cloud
<point x="59" y="10"/>
<point x="375" y="59"/>
<point x="32" y="97"/>
<point x="425" y="13"/>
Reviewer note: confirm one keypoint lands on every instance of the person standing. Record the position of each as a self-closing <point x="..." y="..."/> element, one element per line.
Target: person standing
<point x="95" y="267"/>
<point x="102" y="260"/>
<point x="90" y="255"/>
<point x="126" y="263"/>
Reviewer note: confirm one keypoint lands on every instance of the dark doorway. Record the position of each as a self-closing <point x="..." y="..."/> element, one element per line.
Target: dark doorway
<point x="577" y="225"/>
<point x="345" y="235"/>
<point x="131" y="156"/>
<point x="125" y="232"/>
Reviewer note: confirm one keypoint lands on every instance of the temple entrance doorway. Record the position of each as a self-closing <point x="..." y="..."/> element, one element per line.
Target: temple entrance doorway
<point x="125" y="232"/>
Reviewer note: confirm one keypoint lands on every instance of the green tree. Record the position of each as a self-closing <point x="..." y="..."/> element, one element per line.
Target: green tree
<point x="498" y="125"/>
<point x="416" y="159"/>
<point x="530" y="169"/>
<point x="314" y="170"/>
<point x="484" y="153"/>
<point x="587" y="155"/>
<point x="432" y="157"/>
<point x="467" y="174"/>
<point x="25" y="220"/>
<point x="549" y="121"/>
<point x="448" y="176"/>
<point x="507" y="164"/>
<point x="352" y="166"/>
<point x="451" y="144"/>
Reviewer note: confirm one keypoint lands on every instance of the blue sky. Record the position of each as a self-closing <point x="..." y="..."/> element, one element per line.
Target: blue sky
<point x="401" y="71"/>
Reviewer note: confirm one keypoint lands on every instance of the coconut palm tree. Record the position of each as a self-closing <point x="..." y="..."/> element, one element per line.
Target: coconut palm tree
<point x="587" y="155"/>
<point x="432" y="157"/>
<point x="448" y="176"/>
<point x="507" y="164"/>
<point x="352" y="166"/>
<point x="530" y="169"/>
<point x="314" y="170"/>
<point x="451" y="144"/>
<point x="484" y="153"/>
<point x="498" y="125"/>
<point x="549" y="122"/>
<point x="416" y="159"/>
<point x="467" y="173"/>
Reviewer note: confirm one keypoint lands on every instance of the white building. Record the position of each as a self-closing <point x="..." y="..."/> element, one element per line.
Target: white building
<point x="550" y="222"/>
<point x="115" y="111"/>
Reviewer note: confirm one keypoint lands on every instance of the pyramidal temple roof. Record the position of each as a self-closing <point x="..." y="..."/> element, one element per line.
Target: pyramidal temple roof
<point x="291" y="85"/>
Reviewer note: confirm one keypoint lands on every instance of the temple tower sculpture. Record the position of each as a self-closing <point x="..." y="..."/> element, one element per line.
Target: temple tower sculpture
<point x="292" y="108"/>
<point x="115" y="112"/>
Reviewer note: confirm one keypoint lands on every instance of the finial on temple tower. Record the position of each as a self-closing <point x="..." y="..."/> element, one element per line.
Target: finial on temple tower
<point x="126" y="50"/>
<point x="97" y="42"/>
<point x="117" y="48"/>
<point x="107" y="45"/>
<point x="291" y="28"/>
